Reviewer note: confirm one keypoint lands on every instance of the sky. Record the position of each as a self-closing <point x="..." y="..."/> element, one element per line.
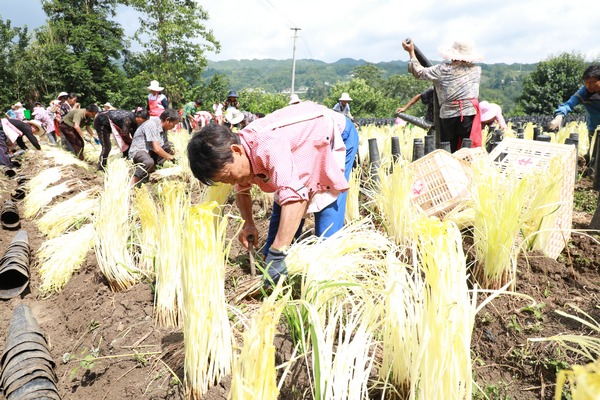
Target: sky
<point x="504" y="31"/>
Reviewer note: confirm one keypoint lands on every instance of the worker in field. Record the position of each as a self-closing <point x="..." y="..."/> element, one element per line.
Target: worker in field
<point x="121" y="124"/>
<point x="71" y="127"/>
<point x="150" y="145"/>
<point x="457" y="86"/>
<point x="426" y="97"/>
<point x="303" y="153"/>
<point x="189" y="112"/>
<point x="491" y="115"/>
<point x="231" y="101"/>
<point x="589" y="97"/>
<point x="157" y="102"/>
<point x="343" y="105"/>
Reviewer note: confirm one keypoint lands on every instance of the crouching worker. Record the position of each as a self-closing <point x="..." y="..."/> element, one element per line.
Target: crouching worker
<point x="72" y="124"/>
<point x="303" y="153"/>
<point x="150" y="145"/>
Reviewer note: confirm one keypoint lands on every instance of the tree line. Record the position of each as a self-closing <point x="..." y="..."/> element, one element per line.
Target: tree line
<point x="81" y="50"/>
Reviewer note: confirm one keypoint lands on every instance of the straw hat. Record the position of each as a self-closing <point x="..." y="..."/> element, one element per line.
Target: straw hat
<point x="488" y="110"/>
<point x="294" y="99"/>
<point x="108" y="106"/>
<point x="62" y="94"/>
<point x="461" y="50"/>
<point x="18" y="104"/>
<point x="155" y="86"/>
<point x="234" y="116"/>
<point x="345" y="97"/>
<point x="40" y="129"/>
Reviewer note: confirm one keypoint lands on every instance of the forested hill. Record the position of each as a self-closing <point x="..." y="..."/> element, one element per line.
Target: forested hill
<point x="500" y="82"/>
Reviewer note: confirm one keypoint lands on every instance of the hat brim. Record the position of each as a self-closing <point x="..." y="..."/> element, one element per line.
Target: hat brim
<point x="449" y="53"/>
<point x="156" y="88"/>
<point x="234" y="118"/>
<point x="41" y="131"/>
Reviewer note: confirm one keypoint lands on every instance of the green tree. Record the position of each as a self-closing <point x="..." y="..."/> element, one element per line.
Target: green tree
<point x="367" y="101"/>
<point x="257" y="101"/>
<point x="174" y="52"/>
<point x="84" y="45"/>
<point x="552" y="83"/>
<point x="13" y="79"/>
<point x="370" y="73"/>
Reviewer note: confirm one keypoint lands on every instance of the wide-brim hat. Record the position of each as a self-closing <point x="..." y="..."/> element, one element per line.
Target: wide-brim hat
<point x="234" y="116"/>
<point x="488" y="110"/>
<point x="107" y="105"/>
<point x="294" y="99"/>
<point x="18" y="104"/>
<point x="62" y="94"/>
<point x="461" y="50"/>
<point x="41" y="130"/>
<point x="232" y="93"/>
<point x="345" y="97"/>
<point x="155" y="86"/>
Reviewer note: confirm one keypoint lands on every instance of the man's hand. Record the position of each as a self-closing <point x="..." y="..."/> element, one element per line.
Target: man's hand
<point x="248" y="230"/>
<point x="400" y="110"/>
<point x="556" y="123"/>
<point x="275" y="266"/>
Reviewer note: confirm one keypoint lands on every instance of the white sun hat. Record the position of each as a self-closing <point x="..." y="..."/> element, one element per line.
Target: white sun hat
<point x="345" y="97"/>
<point x="234" y="116"/>
<point x="294" y="99"/>
<point x="461" y="50"/>
<point x="155" y="86"/>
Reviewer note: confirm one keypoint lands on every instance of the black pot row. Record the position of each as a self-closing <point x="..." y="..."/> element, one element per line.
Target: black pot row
<point x="27" y="364"/>
<point x="14" y="266"/>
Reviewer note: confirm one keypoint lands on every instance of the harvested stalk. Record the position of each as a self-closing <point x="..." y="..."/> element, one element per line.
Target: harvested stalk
<point x="68" y="214"/>
<point x="37" y="200"/>
<point x="147" y="213"/>
<point x="253" y="371"/>
<point x="58" y="258"/>
<point x="172" y="213"/>
<point x="113" y="228"/>
<point x="207" y="333"/>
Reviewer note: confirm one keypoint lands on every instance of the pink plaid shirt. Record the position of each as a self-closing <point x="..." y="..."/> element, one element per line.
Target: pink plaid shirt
<point x="297" y="152"/>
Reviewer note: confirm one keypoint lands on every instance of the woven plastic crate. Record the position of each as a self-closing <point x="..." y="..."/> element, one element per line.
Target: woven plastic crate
<point x="523" y="156"/>
<point x="440" y="183"/>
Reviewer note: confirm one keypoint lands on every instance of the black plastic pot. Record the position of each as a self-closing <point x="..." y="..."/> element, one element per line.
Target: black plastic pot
<point x="14" y="267"/>
<point x="18" y="194"/>
<point x="27" y="365"/>
<point x="429" y="144"/>
<point x="9" y="216"/>
<point x="418" y="149"/>
<point x="467" y="143"/>
<point x="9" y="172"/>
<point x="446" y="146"/>
<point x="374" y="159"/>
<point x="543" y="138"/>
<point x="395" y="148"/>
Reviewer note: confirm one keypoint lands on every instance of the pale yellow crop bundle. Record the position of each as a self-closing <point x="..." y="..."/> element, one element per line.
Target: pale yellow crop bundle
<point x="113" y="228"/>
<point x="36" y="200"/>
<point x="173" y="208"/>
<point x="253" y="373"/>
<point x="149" y="229"/>
<point x="58" y="258"/>
<point x="207" y="333"/>
<point x="69" y="213"/>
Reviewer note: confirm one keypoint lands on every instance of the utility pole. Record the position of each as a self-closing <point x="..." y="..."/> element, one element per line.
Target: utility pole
<point x="294" y="58"/>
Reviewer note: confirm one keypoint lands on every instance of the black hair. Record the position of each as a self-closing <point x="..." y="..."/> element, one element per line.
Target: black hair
<point x="141" y="113"/>
<point x="593" y="71"/>
<point x="199" y="102"/>
<point x="93" y="108"/>
<point x="210" y="150"/>
<point x="71" y="95"/>
<point x="170" y="114"/>
<point x="37" y="104"/>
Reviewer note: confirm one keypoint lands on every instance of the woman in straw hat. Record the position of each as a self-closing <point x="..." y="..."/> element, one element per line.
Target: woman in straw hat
<point x="457" y="86"/>
<point x="491" y="114"/>
<point x="157" y="102"/>
<point x="343" y="105"/>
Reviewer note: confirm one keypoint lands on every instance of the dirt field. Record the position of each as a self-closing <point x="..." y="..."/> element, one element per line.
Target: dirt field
<point x="133" y="359"/>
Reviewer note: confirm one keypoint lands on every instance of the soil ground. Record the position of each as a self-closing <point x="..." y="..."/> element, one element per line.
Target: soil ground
<point x="137" y="360"/>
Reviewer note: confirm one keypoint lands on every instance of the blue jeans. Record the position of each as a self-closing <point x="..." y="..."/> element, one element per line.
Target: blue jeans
<point x="330" y="219"/>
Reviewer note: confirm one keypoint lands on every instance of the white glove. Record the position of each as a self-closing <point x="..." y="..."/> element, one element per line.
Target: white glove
<point x="556" y="123"/>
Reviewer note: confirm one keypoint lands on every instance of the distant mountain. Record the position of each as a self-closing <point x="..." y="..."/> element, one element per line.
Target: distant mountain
<point x="500" y="82"/>
<point x="275" y="75"/>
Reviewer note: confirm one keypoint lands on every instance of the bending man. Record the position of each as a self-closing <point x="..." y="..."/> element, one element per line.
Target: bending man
<point x="303" y="153"/>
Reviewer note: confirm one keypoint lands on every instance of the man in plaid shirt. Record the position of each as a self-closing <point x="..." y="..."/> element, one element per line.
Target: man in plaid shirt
<point x="303" y="153"/>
